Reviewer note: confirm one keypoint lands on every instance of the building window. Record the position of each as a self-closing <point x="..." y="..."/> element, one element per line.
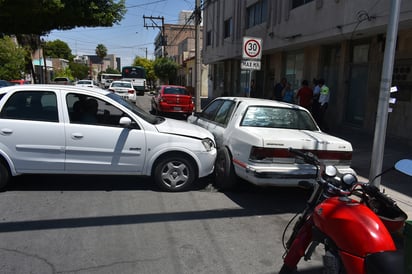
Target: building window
<point x="228" y="28"/>
<point x="209" y="38"/>
<point x="298" y="3"/>
<point x="257" y="13"/>
<point x="294" y="68"/>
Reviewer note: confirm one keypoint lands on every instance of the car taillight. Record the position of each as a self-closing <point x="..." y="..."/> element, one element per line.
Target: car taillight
<point x="261" y="153"/>
<point x="131" y="91"/>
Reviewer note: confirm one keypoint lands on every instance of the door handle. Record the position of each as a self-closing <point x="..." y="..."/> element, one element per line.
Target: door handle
<point x="6" y="131"/>
<point x="77" y="136"/>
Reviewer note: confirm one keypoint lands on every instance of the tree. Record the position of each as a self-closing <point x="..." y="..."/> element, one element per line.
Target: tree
<point x="112" y="70"/>
<point x="166" y="70"/>
<point x="12" y="59"/>
<point x="40" y="17"/>
<point x="58" y="49"/>
<point x="79" y="71"/>
<point x="101" y="51"/>
<point x="149" y="67"/>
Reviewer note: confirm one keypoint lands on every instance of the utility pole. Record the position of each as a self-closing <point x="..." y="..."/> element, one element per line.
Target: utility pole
<point x="198" y="68"/>
<point x="384" y="94"/>
<point x="153" y="25"/>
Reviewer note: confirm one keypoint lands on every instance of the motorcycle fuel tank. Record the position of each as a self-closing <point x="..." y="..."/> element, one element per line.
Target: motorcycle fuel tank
<point x="352" y="226"/>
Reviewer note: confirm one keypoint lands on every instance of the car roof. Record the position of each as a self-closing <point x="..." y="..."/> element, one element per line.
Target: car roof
<point x="172" y="86"/>
<point x="120" y="81"/>
<point x="260" y="101"/>
<point x="52" y="87"/>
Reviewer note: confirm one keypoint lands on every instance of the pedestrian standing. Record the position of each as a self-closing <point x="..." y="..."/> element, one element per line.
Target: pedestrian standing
<point x="288" y="94"/>
<point x="315" y="100"/>
<point x="277" y="91"/>
<point x="323" y="103"/>
<point x="304" y="97"/>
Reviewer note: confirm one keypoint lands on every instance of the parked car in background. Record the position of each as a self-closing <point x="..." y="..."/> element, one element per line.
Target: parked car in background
<point x="62" y="81"/>
<point x="51" y="129"/>
<point x="86" y="83"/>
<point x="124" y="89"/>
<point x="172" y="99"/>
<point x="4" y="83"/>
<point x="253" y="137"/>
<point x="20" y="82"/>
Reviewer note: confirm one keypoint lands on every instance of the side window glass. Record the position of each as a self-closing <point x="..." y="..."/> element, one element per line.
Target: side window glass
<point x="31" y="105"/>
<point x="224" y="113"/>
<point x="210" y="111"/>
<point x="90" y="110"/>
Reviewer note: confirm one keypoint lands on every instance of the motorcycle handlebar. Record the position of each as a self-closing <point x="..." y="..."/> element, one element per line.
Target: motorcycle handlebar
<point x="308" y="157"/>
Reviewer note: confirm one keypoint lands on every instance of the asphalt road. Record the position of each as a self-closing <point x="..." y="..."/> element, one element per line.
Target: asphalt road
<point x="124" y="224"/>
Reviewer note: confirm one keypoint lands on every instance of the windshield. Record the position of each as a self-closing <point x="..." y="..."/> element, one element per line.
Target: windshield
<point x="278" y="117"/>
<point x="136" y="110"/>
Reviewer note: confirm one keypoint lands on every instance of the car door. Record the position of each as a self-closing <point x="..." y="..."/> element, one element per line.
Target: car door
<point x="99" y="144"/>
<point x="218" y="123"/>
<point x="30" y="132"/>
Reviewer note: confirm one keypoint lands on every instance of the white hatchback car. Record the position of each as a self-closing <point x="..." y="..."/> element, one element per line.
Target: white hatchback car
<point x="253" y="137"/>
<point x="124" y="89"/>
<point x="54" y="129"/>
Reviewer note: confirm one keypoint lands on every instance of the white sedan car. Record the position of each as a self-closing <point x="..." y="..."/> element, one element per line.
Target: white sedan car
<point x="55" y="129"/>
<point x="86" y="83"/>
<point x="124" y="89"/>
<point x="253" y="137"/>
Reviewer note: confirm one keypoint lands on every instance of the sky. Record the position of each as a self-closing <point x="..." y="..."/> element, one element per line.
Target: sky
<point x="129" y="38"/>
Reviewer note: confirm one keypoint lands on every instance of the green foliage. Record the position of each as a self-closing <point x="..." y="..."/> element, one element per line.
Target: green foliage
<point x="64" y="73"/>
<point x="112" y="70"/>
<point x="148" y="65"/>
<point x="58" y="49"/>
<point x="43" y="16"/>
<point x="166" y="70"/>
<point x="79" y="71"/>
<point x="101" y="51"/>
<point x="11" y="59"/>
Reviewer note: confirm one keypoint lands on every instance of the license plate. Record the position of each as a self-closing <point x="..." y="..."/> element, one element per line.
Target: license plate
<point x="177" y="108"/>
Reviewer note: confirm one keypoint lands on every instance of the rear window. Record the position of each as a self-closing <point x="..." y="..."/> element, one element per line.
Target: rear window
<point x="176" y="90"/>
<point x="276" y="117"/>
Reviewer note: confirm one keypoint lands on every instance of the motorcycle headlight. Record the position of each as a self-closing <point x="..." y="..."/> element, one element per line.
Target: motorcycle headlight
<point x="349" y="180"/>
<point x="208" y="144"/>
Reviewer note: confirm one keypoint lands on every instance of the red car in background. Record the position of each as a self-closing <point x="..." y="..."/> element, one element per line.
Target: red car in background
<point x="172" y="99"/>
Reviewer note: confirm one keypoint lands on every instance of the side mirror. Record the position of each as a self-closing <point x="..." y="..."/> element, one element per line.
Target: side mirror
<point x="404" y="166"/>
<point x="125" y="122"/>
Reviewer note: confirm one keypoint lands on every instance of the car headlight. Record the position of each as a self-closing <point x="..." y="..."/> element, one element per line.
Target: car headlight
<point x="208" y="144"/>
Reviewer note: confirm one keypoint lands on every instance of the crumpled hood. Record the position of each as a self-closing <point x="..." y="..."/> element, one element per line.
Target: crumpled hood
<point x="178" y="127"/>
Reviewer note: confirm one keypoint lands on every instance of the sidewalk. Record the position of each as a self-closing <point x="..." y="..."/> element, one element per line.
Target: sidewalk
<point x="397" y="185"/>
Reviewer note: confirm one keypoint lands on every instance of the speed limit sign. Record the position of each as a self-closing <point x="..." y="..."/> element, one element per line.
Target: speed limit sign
<point x="252" y="48"/>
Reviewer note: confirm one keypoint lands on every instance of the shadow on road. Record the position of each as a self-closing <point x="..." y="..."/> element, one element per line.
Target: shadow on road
<point x="80" y="182"/>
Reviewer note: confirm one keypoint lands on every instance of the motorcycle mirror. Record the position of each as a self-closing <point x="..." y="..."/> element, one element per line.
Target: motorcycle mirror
<point x="349" y="179"/>
<point x="404" y="166"/>
<point x="330" y="171"/>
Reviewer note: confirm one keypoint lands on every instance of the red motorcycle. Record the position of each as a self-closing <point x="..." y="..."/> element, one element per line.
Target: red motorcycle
<point x="353" y="221"/>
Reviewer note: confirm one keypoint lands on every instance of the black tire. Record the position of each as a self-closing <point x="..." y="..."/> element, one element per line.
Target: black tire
<point x="174" y="173"/>
<point x="225" y="177"/>
<point x="4" y="176"/>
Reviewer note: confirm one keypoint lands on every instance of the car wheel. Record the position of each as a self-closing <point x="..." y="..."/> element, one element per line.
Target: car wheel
<point x="225" y="174"/>
<point x="174" y="173"/>
<point x="4" y="175"/>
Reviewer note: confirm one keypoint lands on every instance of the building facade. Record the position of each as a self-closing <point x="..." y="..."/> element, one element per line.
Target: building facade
<point x="179" y="45"/>
<point x="340" y="41"/>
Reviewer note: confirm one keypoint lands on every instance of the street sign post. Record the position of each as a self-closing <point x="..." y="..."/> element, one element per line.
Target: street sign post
<point x="251" y="55"/>
<point x="250" y="64"/>
<point x="252" y="48"/>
